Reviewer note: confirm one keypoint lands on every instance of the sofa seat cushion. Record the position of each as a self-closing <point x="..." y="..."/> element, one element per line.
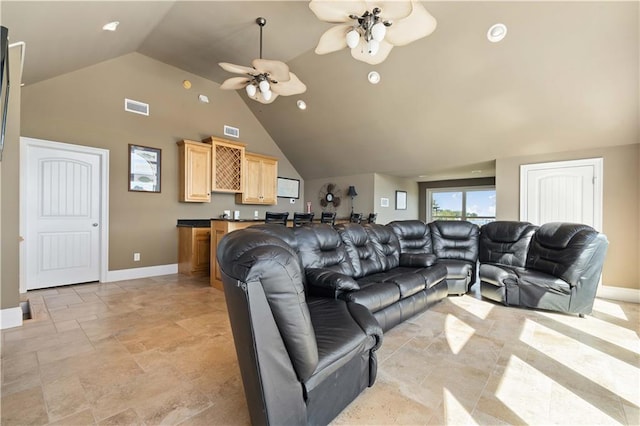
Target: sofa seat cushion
<point x="457" y="269"/>
<point x="374" y="295"/>
<point x="339" y="338"/>
<point x="497" y="274"/>
<point x="409" y="280"/>
<point x="529" y="277"/>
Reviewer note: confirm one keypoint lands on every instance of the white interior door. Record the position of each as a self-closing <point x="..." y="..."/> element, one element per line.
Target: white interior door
<point x="63" y="204"/>
<point x="566" y="191"/>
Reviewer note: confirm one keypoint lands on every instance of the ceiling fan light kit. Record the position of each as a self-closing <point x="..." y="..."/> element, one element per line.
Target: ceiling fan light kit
<point x="371" y="29"/>
<point x="266" y="79"/>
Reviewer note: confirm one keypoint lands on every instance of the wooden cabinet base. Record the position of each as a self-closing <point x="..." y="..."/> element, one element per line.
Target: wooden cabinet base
<point x="194" y="251"/>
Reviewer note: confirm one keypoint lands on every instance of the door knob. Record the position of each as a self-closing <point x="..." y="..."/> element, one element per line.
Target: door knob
<point x="94" y="225"/>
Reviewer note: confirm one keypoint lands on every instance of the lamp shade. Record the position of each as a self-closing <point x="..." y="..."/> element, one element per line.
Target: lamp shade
<point x="351" y="192"/>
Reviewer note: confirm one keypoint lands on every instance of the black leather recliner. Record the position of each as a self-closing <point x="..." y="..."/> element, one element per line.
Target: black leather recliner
<point x="361" y="264"/>
<point x="554" y="267"/>
<point x="302" y="359"/>
<point x="453" y="244"/>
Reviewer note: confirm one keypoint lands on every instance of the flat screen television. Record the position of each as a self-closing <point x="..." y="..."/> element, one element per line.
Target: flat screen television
<point x="4" y="86"/>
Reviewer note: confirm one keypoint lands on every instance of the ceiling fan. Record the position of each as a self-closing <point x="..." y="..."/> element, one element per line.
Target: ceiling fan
<point x="266" y="79"/>
<point x="371" y="28"/>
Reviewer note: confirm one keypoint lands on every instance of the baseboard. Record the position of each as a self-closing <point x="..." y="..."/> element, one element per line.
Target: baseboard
<point x="146" y="272"/>
<point x="10" y="317"/>
<point x="619" y="293"/>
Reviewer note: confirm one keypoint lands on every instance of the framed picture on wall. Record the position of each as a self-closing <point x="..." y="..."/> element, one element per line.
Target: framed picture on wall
<point x="401" y="200"/>
<point x="144" y="168"/>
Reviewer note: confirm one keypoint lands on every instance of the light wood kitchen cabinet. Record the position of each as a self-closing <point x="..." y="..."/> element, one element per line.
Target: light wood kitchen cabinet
<point x="194" y="250"/>
<point x="260" y="180"/>
<point x="194" y="171"/>
<point x="227" y="160"/>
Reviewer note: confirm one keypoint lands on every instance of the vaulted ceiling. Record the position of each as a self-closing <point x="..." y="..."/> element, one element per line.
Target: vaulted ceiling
<point x="566" y="77"/>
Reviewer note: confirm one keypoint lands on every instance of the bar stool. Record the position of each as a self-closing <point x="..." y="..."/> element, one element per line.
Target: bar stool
<point x="355" y="218"/>
<point x="300" y="219"/>
<point x="274" y="217"/>
<point x="328" y="217"/>
<point x="372" y="217"/>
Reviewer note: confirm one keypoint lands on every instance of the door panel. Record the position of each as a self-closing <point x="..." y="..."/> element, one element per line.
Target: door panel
<point x="561" y="192"/>
<point x="63" y="217"/>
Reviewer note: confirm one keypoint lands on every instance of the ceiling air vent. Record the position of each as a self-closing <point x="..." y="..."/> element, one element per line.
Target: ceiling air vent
<point x="136" y="107"/>
<point x="234" y="132"/>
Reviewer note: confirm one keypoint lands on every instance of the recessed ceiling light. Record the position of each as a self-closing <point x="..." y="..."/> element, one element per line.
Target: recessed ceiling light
<point x="301" y="104"/>
<point x="111" y="26"/>
<point x="374" y="77"/>
<point x="186" y="84"/>
<point x="496" y="32"/>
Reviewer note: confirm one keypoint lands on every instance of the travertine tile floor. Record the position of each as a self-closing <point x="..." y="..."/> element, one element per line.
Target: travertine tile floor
<point x="160" y="351"/>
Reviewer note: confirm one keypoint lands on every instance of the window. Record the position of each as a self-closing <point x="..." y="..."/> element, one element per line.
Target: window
<point x="477" y="205"/>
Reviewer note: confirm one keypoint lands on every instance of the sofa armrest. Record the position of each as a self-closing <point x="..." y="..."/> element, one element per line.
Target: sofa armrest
<point x="326" y="279"/>
<point x="367" y="322"/>
<point x="417" y="260"/>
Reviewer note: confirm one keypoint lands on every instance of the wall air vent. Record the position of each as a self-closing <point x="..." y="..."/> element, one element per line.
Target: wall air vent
<point x="234" y="132"/>
<point x="136" y="107"/>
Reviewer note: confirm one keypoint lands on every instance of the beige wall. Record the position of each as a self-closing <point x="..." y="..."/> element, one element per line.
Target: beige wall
<point x="385" y="187"/>
<point x="9" y="201"/>
<point x="363" y="203"/>
<point x="86" y="107"/>
<point x="621" y="211"/>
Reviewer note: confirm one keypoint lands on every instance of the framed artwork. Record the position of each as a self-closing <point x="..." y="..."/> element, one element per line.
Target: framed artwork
<point x="144" y="168"/>
<point x="288" y="188"/>
<point x="384" y="202"/>
<point x="401" y="200"/>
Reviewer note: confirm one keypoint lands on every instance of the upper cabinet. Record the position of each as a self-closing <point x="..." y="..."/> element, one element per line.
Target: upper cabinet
<point x="194" y="171"/>
<point x="260" y="180"/>
<point x="227" y="159"/>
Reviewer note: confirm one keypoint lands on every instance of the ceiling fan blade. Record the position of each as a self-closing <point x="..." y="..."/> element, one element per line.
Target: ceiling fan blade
<point x="361" y="54"/>
<point x="258" y="97"/>
<point x="417" y="25"/>
<point x="236" y="69"/>
<point x="337" y="11"/>
<point x="333" y="39"/>
<point x="292" y="87"/>
<point x="392" y="10"/>
<point x="234" y="83"/>
<point x="277" y="70"/>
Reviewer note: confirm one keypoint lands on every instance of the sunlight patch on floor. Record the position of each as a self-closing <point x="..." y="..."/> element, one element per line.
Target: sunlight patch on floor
<point x="611" y="373"/>
<point x="454" y="411"/>
<point x="480" y="310"/>
<point x="525" y="390"/>
<point x="457" y="333"/>
<point x="610" y="308"/>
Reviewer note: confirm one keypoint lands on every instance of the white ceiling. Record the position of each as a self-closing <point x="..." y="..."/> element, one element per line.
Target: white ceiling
<point x="565" y="78"/>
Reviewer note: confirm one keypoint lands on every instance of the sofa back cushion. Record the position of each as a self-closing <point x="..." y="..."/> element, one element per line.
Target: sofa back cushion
<point x="414" y="236"/>
<point x="361" y="252"/>
<point x="455" y="239"/>
<point x="566" y="250"/>
<point x="320" y="246"/>
<point x="386" y="245"/>
<point x="505" y="242"/>
<point x="258" y="259"/>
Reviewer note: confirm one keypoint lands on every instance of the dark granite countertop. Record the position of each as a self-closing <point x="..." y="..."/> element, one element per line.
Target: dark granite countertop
<point x="194" y="223"/>
<point x="237" y="220"/>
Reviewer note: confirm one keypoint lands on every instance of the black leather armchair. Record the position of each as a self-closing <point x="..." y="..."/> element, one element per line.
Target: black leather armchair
<point x="562" y="266"/>
<point x="302" y="359"/>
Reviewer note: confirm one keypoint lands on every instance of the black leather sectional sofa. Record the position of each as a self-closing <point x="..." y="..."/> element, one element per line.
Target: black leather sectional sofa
<point x="308" y="306"/>
<point x="554" y="267"/>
